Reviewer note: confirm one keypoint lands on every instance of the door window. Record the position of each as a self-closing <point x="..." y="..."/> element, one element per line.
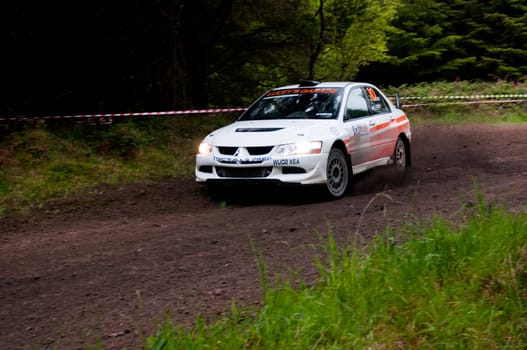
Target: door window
<point x="376" y="102"/>
<point x="357" y="105"/>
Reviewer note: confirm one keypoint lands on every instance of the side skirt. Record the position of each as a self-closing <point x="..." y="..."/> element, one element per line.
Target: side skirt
<point x="371" y="164"/>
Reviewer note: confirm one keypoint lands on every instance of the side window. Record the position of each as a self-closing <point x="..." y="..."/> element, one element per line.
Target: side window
<point x="377" y="103"/>
<point x="357" y="105"/>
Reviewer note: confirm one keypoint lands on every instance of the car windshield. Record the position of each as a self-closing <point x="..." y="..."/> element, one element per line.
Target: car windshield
<point x="300" y="103"/>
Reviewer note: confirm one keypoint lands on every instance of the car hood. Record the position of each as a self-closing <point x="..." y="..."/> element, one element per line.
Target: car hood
<point x="269" y="132"/>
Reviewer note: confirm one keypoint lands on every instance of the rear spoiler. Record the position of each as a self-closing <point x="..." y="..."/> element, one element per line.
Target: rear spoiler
<point x="396" y="100"/>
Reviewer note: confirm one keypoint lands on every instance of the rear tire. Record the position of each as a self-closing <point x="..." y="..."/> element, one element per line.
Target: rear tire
<point x="337" y="173"/>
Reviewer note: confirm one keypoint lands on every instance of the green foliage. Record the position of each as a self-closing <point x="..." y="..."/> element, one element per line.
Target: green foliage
<point x="201" y="53"/>
<point x="281" y="42"/>
<point x="443" y="287"/>
<point x="263" y="45"/>
<point x="495" y="33"/>
<point x="252" y="47"/>
<point x="386" y="42"/>
<point x="356" y="36"/>
<point x="451" y="40"/>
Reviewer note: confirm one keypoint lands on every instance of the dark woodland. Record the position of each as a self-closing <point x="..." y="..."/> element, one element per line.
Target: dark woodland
<point x="153" y="55"/>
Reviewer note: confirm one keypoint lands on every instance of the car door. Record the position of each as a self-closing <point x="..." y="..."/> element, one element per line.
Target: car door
<point x="381" y="125"/>
<point x="356" y="118"/>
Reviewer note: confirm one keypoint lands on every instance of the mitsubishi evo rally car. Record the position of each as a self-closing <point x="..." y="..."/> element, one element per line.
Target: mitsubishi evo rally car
<point x="310" y="133"/>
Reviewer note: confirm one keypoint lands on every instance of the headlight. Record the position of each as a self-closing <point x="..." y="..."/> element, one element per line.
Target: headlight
<point x="300" y="148"/>
<point x="205" y="149"/>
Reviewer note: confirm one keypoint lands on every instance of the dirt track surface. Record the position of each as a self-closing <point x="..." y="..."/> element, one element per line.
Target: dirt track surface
<point x="105" y="267"/>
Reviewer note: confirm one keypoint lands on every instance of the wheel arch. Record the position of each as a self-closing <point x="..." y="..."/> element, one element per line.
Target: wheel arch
<point x="340" y="145"/>
<point x="406" y="142"/>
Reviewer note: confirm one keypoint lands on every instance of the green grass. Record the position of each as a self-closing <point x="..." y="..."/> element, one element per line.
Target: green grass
<point x="444" y="112"/>
<point x="441" y="88"/>
<point x="41" y="163"/>
<point x="444" y="287"/>
<point x="439" y="114"/>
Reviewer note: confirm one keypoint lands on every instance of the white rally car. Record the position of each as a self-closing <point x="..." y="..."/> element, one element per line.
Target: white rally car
<point x="310" y="133"/>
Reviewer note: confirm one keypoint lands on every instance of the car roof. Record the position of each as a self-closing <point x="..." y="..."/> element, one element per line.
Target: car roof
<point x="320" y="85"/>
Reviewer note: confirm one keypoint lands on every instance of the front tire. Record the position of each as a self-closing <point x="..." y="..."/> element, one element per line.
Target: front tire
<point x="337" y="173"/>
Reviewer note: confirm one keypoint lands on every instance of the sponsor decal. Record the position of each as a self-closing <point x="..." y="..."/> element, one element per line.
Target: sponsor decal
<point x="224" y="159"/>
<point x="360" y="130"/>
<point x="245" y="160"/>
<point x="302" y="91"/>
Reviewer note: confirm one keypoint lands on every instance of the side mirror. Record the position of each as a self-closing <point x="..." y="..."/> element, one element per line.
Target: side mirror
<point x="398" y="102"/>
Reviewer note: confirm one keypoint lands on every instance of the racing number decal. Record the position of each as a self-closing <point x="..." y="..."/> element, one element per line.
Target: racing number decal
<point x="371" y="93"/>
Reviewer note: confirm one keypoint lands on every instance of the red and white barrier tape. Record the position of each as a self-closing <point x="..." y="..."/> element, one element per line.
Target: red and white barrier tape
<point x="477" y="98"/>
<point x="136" y="114"/>
<point x="460" y="103"/>
<point x="465" y="97"/>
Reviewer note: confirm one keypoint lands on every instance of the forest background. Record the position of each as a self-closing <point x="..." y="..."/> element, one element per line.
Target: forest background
<point x="127" y="56"/>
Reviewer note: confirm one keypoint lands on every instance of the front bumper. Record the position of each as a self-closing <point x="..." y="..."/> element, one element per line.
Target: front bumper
<point x="299" y="169"/>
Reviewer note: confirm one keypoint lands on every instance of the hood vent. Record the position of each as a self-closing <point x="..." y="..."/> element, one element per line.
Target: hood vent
<point x="257" y="129"/>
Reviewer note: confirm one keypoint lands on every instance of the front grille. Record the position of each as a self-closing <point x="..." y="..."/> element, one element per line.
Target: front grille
<point x="250" y="161"/>
<point x="227" y="150"/>
<point x="243" y="172"/>
<point x="259" y="151"/>
<point x="253" y="151"/>
<point x="238" y="161"/>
